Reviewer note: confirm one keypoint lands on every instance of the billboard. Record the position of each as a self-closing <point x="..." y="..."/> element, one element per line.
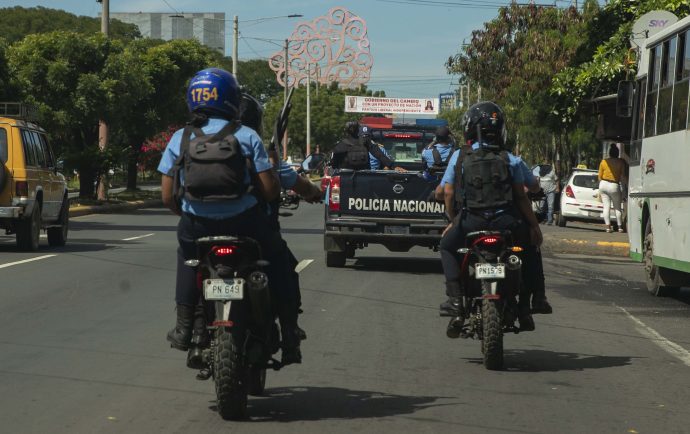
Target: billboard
<point x="370" y="104"/>
<point x="449" y="101"/>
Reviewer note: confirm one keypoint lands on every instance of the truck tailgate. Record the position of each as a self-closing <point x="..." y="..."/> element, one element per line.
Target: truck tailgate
<point x="390" y="194"/>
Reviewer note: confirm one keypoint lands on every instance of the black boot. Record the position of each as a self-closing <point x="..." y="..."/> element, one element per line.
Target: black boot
<point x="450" y="307"/>
<point x="180" y="336"/>
<point x="290" y="342"/>
<point x="540" y="304"/>
<point x="200" y="340"/>
<point x="525" y="319"/>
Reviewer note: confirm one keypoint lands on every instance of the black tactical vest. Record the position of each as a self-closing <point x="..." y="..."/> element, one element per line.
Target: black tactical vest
<point x="483" y="180"/>
<point x="356" y="156"/>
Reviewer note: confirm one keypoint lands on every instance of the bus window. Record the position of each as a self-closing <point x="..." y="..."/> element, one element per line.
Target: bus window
<point x="679" y="114"/>
<point x="663" y="114"/>
<point x="638" y="122"/>
<point x="686" y="58"/>
<point x="654" y="78"/>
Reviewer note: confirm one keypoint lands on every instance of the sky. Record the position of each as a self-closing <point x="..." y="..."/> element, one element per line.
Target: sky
<point x="410" y="39"/>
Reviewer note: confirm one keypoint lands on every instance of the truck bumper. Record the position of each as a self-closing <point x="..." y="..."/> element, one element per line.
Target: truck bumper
<point x="10" y="212"/>
<point x="395" y="235"/>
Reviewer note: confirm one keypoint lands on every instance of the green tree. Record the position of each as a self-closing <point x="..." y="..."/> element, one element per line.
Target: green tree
<point x="160" y="99"/>
<point x="606" y="59"/>
<point x="60" y="73"/>
<point x="514" y="58"/>
<point x="17" y="22"/>
<point x="258" y="80"/>
<point x="7" y="92"/>
<point x="328" y="116"/>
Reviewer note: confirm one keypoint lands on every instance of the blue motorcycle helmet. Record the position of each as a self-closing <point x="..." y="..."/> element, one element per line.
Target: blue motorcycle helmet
<point x="214" y="91"/>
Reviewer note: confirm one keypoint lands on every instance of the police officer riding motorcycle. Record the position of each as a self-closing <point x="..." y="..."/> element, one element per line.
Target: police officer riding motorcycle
<point x="484" y="190"/>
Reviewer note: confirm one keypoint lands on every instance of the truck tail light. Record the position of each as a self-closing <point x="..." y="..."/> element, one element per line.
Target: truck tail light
<point x="22" y="188"/>
<point x="569" y="192"/>
<point x="334" y="194"/>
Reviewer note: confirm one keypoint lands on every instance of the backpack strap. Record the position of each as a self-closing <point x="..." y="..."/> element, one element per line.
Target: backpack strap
<point x="228" y="129"/>
<point x="178" y="188"/>
<point x="437" y="156"/>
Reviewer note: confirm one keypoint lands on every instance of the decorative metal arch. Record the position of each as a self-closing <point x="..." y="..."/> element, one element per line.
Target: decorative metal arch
<point x="335" y="46"/>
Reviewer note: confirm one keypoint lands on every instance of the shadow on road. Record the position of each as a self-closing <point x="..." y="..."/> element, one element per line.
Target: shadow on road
<point x="301" y="231"/>
<point x="319" y="403"/>
<point x="398" y="265"/>
<point x="100" y="226"/>
<point x="554" y="361"/>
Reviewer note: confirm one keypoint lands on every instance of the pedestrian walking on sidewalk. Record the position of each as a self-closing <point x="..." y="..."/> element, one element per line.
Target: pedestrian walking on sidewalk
<point x="549" y="184"/>
<point x="611" y="176"/>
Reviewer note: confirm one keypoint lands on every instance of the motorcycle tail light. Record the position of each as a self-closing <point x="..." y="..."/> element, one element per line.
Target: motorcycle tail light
<point x="223" y="250"/>
<point x="569" y="192"/>
<point x="334" y="194"/>
<point x="489" y="241"/>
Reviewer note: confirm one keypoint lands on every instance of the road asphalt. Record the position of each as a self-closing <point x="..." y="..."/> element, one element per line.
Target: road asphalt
<point x="82" y="347"/>
<point x="576" y="237"/>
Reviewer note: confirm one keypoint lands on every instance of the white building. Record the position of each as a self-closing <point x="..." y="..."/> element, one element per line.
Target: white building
<point x="206" y="27"/>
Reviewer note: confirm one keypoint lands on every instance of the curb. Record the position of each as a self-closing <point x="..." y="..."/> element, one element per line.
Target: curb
<point x="599" y="248"/>
<point x="76" y="211"/>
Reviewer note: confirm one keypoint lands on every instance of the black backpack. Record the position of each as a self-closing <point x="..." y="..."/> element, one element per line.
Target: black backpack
<point x="213" y="164"/>
<point x="483" y="179"/>
<point x="356" y="156"/>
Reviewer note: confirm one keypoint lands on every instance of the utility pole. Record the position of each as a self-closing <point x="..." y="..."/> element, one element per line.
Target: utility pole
<point x="235" y="38"/>
<point x="479" y="93"/>
<point x="103" y="126"/>
<point x="308" y="109"/>
<point x="285" y="91"/>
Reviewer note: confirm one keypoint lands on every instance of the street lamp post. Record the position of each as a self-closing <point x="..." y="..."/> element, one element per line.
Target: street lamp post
<point x="236" y="34"/>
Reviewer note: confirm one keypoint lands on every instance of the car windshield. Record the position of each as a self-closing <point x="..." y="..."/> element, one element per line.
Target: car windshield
<point x="586" y="181"/>
<point x="404" y="151"/>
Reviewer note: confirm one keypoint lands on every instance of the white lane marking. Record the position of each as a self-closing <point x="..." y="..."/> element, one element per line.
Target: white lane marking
<point x="136" y="238"/>
<point x="670" y="347"/>
<point x="38" y="258"/>
<point x="303" y="264"/>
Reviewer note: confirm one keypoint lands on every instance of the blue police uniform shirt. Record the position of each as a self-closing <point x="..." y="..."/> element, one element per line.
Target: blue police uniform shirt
<point x="513" y="165"/>
<point x="444" y="150"/>
<point x="527" y="175"/>
<point x="374" y="162"/>
<point x="287" y="175"/>
<point x="252" y="148"/>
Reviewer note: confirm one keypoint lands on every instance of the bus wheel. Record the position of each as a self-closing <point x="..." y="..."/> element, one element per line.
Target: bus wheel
<point x="655" y="285"/>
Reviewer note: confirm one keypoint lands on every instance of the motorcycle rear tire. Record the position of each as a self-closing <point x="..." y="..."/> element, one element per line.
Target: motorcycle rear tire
<point x="230" y="376"/>
<point x="492" y="344"/>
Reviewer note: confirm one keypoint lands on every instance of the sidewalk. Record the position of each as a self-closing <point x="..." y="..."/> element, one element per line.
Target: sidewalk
<point x="584" y="238"/>
<point x="125" y="205"/>
<point x="80" y="210"/>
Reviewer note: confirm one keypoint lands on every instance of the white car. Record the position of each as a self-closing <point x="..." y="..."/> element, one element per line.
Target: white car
<point x="580" y="199"/>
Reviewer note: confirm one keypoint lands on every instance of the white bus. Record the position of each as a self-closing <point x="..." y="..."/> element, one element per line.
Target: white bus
<point x="659" y="180"/>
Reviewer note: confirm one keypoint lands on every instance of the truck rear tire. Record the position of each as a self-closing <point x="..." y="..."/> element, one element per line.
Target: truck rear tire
<point x="336" y="259"/>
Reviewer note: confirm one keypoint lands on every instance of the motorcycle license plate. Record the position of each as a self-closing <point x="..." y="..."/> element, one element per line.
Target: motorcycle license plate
<point x="490" y="271"/>
<point x="224" y="289"/>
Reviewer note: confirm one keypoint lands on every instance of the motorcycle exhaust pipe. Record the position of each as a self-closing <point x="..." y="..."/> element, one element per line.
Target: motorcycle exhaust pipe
<point x="259" y="298"/>
<point x="514" y="263"/>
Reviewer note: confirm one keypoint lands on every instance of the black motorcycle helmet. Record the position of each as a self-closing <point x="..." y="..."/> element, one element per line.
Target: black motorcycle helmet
<point x="352" y="129"/>
<point x="251" y="112"/>
<point x="485" y="122"/>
